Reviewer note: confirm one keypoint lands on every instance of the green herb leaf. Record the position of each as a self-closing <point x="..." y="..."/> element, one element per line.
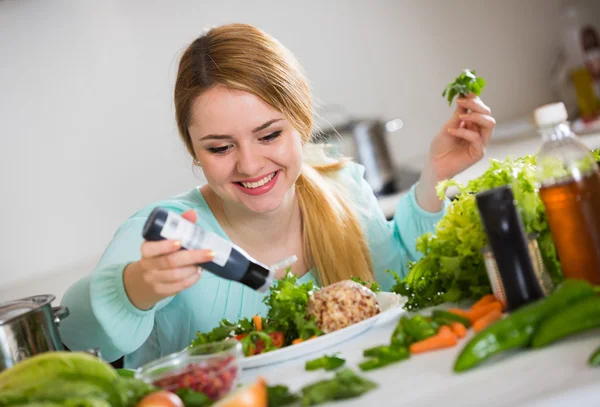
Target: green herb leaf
<point x="287" y="302"/>
<point x="345" y="385"/>
<point x="280" y="396"/>
<point x="465" y="84"/>
<point x="325" y="362"/>
<point x="374" y="286"/>
<point x="193" y="398"/>
<point x="226" y="329"/>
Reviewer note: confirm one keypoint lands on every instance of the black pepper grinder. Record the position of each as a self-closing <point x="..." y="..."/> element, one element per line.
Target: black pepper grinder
<point x="504" y="228"/>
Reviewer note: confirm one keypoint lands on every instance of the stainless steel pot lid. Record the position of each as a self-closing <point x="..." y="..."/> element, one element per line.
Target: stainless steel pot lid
<point x="13" y="309"/>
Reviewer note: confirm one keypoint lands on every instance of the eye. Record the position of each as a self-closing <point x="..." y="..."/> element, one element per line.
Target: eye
<point x="219" y="150"/>
<point x="271" y="137"/>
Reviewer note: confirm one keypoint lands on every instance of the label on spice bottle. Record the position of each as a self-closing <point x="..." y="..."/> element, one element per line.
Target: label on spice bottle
<point x="193" y="237"/>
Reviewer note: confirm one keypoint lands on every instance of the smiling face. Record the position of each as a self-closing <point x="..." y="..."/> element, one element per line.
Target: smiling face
<point x="250" y="153"/>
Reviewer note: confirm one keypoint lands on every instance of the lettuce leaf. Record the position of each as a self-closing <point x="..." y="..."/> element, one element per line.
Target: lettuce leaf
<point x="287" y="302"/>
<point x="452" y="267"/>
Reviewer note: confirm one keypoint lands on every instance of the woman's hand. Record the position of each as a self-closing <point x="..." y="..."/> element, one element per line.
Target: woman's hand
<point x="460" y="144"/>
<point x="163" y="271"/>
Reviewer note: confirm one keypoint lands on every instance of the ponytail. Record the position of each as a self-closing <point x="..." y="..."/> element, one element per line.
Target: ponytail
<point x="334" y="243"/>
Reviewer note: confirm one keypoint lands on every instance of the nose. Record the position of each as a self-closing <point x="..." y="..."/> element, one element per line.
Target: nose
<point x="249" y="161"/>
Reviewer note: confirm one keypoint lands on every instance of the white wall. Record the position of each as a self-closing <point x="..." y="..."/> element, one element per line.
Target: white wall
<point x="87" y="133"/>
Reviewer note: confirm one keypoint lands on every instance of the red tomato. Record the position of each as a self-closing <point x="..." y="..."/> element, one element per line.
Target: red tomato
<point x="277" y="338"/>
<point x="259" y="345"/>
<point x="240" y="336"/>
<point x="161" y="398"/>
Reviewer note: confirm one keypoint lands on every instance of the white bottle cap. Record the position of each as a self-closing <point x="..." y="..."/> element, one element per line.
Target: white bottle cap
<point x="548" y="115"/>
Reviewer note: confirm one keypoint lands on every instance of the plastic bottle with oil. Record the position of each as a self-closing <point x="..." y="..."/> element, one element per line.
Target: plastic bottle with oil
<point x="569" y="179"/>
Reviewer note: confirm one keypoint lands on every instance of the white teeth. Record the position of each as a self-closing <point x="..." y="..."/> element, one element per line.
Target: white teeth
<point x="258" y="183"/>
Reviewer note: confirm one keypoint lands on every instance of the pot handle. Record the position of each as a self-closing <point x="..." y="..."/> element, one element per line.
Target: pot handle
<point x="60" y="313"/>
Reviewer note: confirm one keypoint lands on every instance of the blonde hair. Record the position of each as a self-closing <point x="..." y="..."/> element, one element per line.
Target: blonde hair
<point x="242" y="57"/>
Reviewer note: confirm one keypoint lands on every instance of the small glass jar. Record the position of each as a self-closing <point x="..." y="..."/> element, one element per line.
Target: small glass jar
<point x="212" y="369"/>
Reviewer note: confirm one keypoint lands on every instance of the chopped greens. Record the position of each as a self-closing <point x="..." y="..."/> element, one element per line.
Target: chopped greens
<point x="325" y="362"/>
<point x="344" y="385"/>
<point x="287" y="316"/>
<point x="287" y="302"/>
<point x="374" y="286"/>
<point x="465" y="84"/>
<point x="226" y="329"/>
<point x="280" y="395"/>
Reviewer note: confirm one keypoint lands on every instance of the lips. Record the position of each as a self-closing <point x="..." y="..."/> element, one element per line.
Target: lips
<point x="258" y="186"/>
<point x="259" y="183"/>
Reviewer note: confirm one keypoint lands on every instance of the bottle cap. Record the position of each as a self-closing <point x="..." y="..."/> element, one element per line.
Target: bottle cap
<point x="548" y="115"/>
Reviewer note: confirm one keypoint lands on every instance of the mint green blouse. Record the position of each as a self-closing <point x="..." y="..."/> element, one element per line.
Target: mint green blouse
<point x="101" y="315"/>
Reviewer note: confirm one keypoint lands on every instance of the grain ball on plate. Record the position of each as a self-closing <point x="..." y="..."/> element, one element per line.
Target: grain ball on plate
<point x="342" y="304"/>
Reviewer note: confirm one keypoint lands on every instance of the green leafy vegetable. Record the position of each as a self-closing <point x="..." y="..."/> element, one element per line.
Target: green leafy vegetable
<point x="193" y="398"/>
<point x="344" y="385"/>
<point x="287" y="302"/>
<point x="69" y="379"/>
<point x="452" y="267"/>
<point x="465" y="84"/>
<point x="280" y="396"/>
<point x="226" y="329"/>
<point x="250" y="341"/>
<point x="325" y="362"/>
<point x="374" y="286"/>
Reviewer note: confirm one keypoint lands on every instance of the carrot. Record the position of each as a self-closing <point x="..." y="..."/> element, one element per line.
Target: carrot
<point x="486" y="320"/>
<point x="297" y="341"/>
<point x="257" y="322"/>
<point x="482" y="310"/>
<point x="460" y="312"/>
<point x="486" y="299"/>
<point x="445" y="338"/>
<point x="459" y="329"/>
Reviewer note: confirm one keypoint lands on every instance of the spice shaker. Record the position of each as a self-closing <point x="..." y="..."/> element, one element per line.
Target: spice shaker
<point x="509" y="244"/>
<point x="231" y="261"/>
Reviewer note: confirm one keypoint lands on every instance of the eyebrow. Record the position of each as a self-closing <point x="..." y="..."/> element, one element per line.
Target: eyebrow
<point x="226" y="137"/>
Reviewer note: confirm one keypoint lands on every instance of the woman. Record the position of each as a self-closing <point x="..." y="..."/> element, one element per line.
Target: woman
<point x="244" y="112"/>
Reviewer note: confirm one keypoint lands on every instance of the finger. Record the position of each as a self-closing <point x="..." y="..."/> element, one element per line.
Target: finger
<point x="466" y="134"/>
<point x="175" y="275"/>
<point x="475" y="104"/>
<point x="159" y="248"/>
<point x="190" y="215"/>
<point x="482" y="120"/>
<point x="485" y="132"/>
<point x="183" y="258"/>
<point x="170" y="289"/>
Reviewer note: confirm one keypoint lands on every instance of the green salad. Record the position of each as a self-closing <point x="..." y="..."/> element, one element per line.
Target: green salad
<point x="287" y="321"/>
<point x="452" y="267"/>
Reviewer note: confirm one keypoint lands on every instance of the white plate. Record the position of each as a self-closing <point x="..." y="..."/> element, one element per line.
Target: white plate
<point x="390" y="305"/>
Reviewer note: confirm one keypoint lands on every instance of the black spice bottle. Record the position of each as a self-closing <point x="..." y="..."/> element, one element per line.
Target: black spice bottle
<point x="504" y="228"/>
<point x="230" y="262"/>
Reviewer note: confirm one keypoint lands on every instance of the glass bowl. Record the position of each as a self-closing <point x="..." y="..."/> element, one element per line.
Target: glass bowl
<point x="212" y="369"/>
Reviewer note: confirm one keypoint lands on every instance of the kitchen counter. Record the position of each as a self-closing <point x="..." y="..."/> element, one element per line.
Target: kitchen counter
<point x="554" y="376"/>
<point x="499" y="150"/>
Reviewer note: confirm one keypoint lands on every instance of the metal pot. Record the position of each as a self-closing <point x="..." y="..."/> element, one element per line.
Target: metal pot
<point x="29" y="326"/>
<point x="364" y="140"/>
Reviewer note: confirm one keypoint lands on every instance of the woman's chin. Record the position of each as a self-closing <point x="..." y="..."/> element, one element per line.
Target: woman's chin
<point x="262" y="206"/>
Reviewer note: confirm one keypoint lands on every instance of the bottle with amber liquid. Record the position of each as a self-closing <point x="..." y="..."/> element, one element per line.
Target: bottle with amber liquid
<point x="569" y="180"/>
